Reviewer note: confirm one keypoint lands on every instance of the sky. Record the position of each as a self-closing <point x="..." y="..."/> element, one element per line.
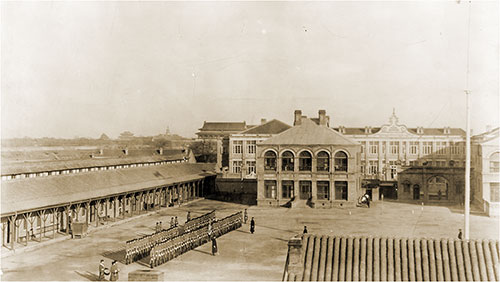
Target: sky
<point x="85" y="68"/>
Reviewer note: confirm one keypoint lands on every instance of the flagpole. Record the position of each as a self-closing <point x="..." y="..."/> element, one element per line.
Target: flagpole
<point x="467" y="140"/>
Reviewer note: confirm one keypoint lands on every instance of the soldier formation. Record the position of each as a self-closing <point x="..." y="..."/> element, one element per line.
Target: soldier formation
<point x="137" y="249"/>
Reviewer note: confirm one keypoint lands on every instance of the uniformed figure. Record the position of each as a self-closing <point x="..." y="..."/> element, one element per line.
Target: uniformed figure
<point x="101" y="270"/>
<point x="245" y="216"/>
<point x="252" y="226"/>
<point x="176" y="222"/>
<point x="114" y="271"/>
<point x="172" y="223"/>
<point x="460" y="234"/>
<point x="305" y="230"/>
<point x="159" y="227"/>
<point x="156" y="227"/>
<point x="188" y="217"/>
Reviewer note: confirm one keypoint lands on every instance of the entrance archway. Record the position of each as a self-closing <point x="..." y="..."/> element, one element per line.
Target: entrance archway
<point x="437" y="187"/>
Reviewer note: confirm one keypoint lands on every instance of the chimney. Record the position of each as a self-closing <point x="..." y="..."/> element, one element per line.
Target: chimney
<point x="298" y="118"/>
<point x="322" y="117"/>
<point x="263" y="120"/>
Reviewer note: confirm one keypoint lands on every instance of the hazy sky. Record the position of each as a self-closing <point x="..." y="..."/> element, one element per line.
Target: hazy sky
<point x="85" y="68"/>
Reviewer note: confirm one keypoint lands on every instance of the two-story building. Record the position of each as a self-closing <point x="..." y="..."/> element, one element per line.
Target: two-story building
<point x="485" y="182"/>
<point x="308" y="164"/>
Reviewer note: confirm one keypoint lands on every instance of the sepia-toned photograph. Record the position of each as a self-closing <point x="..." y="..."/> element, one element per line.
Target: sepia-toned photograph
<point x="250" y="140"/>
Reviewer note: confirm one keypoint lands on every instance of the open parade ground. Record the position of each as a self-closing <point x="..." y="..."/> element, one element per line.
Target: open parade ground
<point x="243" y="256"/>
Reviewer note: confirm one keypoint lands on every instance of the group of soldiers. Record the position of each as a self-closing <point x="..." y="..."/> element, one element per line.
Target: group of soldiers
<point x="139" y="248"/>
<point x="174" y="247"/>
<point x="197" y="222"/>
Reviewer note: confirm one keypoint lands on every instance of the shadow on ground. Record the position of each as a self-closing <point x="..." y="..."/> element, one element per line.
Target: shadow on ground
<point x="115" y="255"/>
<point x="88" y="275"/>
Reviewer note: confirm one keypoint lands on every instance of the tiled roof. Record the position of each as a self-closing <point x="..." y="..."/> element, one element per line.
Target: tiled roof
<point x="271" y="127"/>
<point x="427" y="131"/>
<point x="223" y="126"/>
<point x="309" y="133"/>
<point x="33" y="193"/>
<point x="9" y="168"/>
<point x="334" y="258"/>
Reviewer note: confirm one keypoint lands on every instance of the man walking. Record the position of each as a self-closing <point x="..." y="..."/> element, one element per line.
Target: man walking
<point x="252" y="226"/>
<point x="188" y="217"/>
<point x="101" y="270"/>
<point x="460" y="234"/>
<point x="305" y="230"/>
<point x="114" y="271"/>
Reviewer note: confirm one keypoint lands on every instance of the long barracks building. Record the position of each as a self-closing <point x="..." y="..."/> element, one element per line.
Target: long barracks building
<point x="40" y="206"/>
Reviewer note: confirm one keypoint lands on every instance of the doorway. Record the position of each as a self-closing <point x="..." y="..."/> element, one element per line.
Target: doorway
<point x="416" y="192"/>
<point x="305" y="190"/>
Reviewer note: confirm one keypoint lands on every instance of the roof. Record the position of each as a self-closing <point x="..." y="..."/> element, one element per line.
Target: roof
<point x="336" y="258"/>
<point x="309" y="133"/>
<point x="17" y="167"/>
<point x="427" y="131"/>
<point x="35" y="193"/>
<point x="223" y="126"/>
<point x="486" y="136"/>
<point x="271" y="127"/>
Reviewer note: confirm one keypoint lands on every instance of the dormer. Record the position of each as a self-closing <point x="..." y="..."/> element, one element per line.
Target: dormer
<point x="368" y="130"/>
<point x="342" y="129"/>
<point x="420" y="130"/>
<point x="447" y="130"/>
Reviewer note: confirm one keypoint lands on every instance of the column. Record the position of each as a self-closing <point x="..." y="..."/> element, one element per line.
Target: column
<point x="54" y="223"/>
<point x="87" y="210"/>
<point x="96" y="212"/>
<point x="114" y="208"/>
<point x="124" y="198"/>
<point x="67" y="219"/>
<point x="12" y="231"/>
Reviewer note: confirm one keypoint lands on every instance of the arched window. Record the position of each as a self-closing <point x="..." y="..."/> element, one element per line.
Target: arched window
<point x="340" y="161"/>
<point x="270" y="160"/>
<point x="495" y="162"/>
<point x="287" y="161"/>
<point x="305" y="161"/>
<point x="323" y="161"/>
<point x="437" y="188"/>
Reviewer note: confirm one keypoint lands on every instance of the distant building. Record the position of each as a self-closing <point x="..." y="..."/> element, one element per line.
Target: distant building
<point x="308" y="164"/>
<point x="392" y="148"/>
<point x="219" y="132"/>
<point x="485" y="182"/>
<point x="243" y="149"/>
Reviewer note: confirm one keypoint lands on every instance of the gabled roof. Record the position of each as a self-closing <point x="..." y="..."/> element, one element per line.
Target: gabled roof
<point x="335" y="258"/>
<point x="309" y="133"/>
<point x="223" y="126"/>
<point x="271" y="127"/>
<point x="34" y="193"/>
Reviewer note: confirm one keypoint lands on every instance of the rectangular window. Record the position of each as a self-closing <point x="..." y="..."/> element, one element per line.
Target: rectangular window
<point x="494" y="166"/>
<point x="441" y="148"/>
<point x="373" y="147"/>
<point x="340" y="190"/>
<point x="454" y="148"/>
<point x="270" y="189"/>
<point x="414" y="147"/>
<point x="251" y="146"/>
<point x="403" y="147"/>
<point x="383" y="146"/>
<point x="495" y="192"/>
<point x="287" y="189"/>
<point x="363" y="164"/>
<point x="363" y="147"/>
<point x="394" y="147"/>
<point x="413" y="163"/>
<point x="250" y="167"/>
<point x="323" y="190"/>
<point x="427" y="147"/>
<point x="373" y="167"/>
<point x="237" y="147"/>
<point x="236" y="166"/>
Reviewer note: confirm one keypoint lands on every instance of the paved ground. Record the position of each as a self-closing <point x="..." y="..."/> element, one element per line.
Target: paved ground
<point x="243" y="256"/>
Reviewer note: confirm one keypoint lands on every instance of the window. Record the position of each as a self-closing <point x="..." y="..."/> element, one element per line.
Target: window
<point x="250" y="167"/>
<point x="456" y="148"/>
<point x="441" y="148"/>
<point x="403" y="147"/>
<point x="340" y="190"/>
<point x="340" y="161"/>
<point x="363" y="146"/>
<point x="441" y="163"/>
<point x="270" y="160"/>
<point x="383" y="146"/>
<point x="495" y="162"/>
<point x="323" y="190"/>
<point x="414" y="147"/>
<point x="287" y="189"/>
<point x="323" y="161"/>
<point x="394" y="170"/>
<point x="305" y="161"/>
<point x="373" y="147"/>
<point x="413" y="163"/>
<point x="427" y="147"/>
<point x="236" y="166"/>
<point x="287" y="161"/>
<point x="373" y="167"/>
<point x="270" y="189"/>
<point x="251" y="146"/>
<point x="394" y="147"/>
<point x="437" y="188"/>
<point x="237" y="147"/>
<point x="363" y="164"/>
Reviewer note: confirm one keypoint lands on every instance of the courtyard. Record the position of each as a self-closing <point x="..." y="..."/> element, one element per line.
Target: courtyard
<point x="243" y="256"/>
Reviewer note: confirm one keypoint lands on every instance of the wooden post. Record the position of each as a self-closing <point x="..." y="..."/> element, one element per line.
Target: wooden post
<point x="114" y="208"/>
<point x="54" y="223"/>
<point x="124" y="198"/>
<point x="26" y="229"/>
<point x="106" y="208"/>
<point x="87" y="210"/>
<point x="67" y="219"/>
<point x="12" y="231"/>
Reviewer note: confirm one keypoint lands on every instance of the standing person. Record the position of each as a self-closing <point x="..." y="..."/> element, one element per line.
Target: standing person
<point x="101" y="270"/>
<point x="245" y="216"/>
<point x="211" y="236"/>
<point x="114" y="271"/>
<point x="172" y="223"/>
<point x="305" y="230"/>
<point x="176" y="222"/>
<point x="460" y="234"/>
<point x="252" y="226"/>
<point x="188" y="217"/>
<point x="156" y="227"/>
